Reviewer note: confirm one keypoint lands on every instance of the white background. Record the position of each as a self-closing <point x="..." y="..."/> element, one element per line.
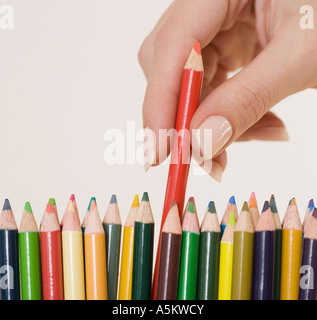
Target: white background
<point x="69" y="72"/>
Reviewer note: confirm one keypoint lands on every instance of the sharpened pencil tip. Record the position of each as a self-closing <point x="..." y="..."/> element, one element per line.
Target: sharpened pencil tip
<point x="27" y="207"/>
<point x="72" y="198"/>
<point x="113" y="199"/>
<point x="245" y="206"/>
<point x="232" y="200"/>
<point x="145" y="197"/>
<point x="232" y="219"/>
<point x="191" y="207"/>
<point x="49" y="208"/>
<point x="197" y="47"/>
<point x="266" y="206"/>
<point x="136" y="202"/>
<point x="91" y="200"/>
<point x="52" y="201"/>
<point x="311" y="203"/>
<point x="6" y="205"/>
<point x="273" y="204"/>
<point x="212" y="207"/>
<point x="252" y="201"/>
<point x="293" y="202"/>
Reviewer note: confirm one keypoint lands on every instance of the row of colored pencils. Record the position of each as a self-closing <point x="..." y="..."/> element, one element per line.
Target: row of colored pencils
<point x="246" y="256"/>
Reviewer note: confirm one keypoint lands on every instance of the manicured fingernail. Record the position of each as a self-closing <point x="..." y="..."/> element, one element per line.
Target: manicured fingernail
<point x="216" y="171"/>
<point x="212" y="135"/>
<point x="269" y="134"/>
<point x="149" y="148"/>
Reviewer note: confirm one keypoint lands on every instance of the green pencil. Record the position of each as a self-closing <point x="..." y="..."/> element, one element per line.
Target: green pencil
<point x="208" y="270"/>
<point x="30" y="260"/>
<point x="188" y="273"/>
<point x="112" y="225"/>
<point x="143" y="251"/>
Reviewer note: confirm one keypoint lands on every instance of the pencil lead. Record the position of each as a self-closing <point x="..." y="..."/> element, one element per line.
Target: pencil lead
<point x="212" y="207"/>
<point x="70" y="206"/>
<point x="191" y="207"/>
<point x="113" y="199"/>
<point x="252" y="201"/>
<point x="145" y="197"/>
<point x="232" y="200"/>
<point x="6" y="205"/>
<point x="293" y="202"/>
<point x="52" y="201"/>
<point x="27" y="207"/>
<point x="311" y="203"/>
<point x="245" y="207"/>
<point x="93" y="205"/>
<point x="49" y="208"/>
<point x="91" y="200"/>
<point x="197" y="47"/>
<point x="72" y="198"/>
<point x="273" y="204"/>
<point x="232" y="219"/>
<point x="266" y="206"/>
<point x="136" y="202"/>
<point x="311" y="208"/>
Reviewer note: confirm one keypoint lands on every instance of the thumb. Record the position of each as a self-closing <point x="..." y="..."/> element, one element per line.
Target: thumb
<point x="242" y="100"/>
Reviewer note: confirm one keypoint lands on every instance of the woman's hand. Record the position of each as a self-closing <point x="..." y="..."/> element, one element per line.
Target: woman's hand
<point x="264" y="37"/>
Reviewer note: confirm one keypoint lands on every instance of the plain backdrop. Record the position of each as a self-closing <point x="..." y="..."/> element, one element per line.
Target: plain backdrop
<point x="69" y="72"/>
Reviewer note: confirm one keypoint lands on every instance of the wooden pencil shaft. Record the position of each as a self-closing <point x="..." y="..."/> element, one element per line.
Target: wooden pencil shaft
<point x="208" y="267"/>
<point x="30" y="266"/>
<point x="291" y="260"/>
<point x="187" y="289"/>
<point x="113" y="241"/>
<point x="263" y="265"/>
<point x="277" y="265"/>
<point x="142" y="261"/>
<point x="169" y="266"/>
<point x="308" y="284"/>
<point x="9" y="262"/>
<point x="242" y="265"/>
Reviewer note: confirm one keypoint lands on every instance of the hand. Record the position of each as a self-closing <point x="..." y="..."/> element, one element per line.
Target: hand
<point x="262" y="36"/>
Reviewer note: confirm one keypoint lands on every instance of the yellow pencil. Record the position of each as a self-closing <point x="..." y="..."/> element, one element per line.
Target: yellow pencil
<point x="125" y="285"/>
<point x="73" y="258"/>
<point x="226" y="256"/>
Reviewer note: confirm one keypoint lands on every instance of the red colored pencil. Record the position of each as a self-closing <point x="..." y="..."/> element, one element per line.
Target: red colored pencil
<point x="181" y="153"/>
<point x="51" y="256"/>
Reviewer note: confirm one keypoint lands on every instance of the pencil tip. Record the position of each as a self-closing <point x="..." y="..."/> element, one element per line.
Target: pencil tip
<point x="197" y="47"/>
<point x="232" y="219"/>
<point x="293" y="202"/>
<point x="212" y="207"/>
<point x="232" y="200"/>
<point x="136" y="202"/>
<point x="191" y="207"/>
<point x="49" y="208"/>
<point x="145" y="197"/>
<point x="93" y="205"/>
<point x="91" y="200"/>
<point x="113" y="199"/>
<point x="27" y="207"/>
<point x="72" y="198"/>
<point x="266" y="206"/>
<point x="311" y="203"/>
<point x="252" y="201"/>
<point x="245" y="206"/>
<point x="273" y="204"/>
<point x="52" y="201"/>
<point x="6" y="205"/>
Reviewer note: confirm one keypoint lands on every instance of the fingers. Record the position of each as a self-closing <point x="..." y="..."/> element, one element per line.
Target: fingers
<point x="186" y="23"/>
<point x="237" y="104"/>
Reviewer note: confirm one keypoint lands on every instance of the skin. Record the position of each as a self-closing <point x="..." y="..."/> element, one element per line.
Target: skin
<point x="253" y="35"/>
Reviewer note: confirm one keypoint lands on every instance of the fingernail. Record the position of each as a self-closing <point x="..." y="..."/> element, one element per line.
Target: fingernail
<point x="216" y="171"/>
<point x="212" y="135"/>
<point x="269" y="134"/>
<point x="149" y="148"/>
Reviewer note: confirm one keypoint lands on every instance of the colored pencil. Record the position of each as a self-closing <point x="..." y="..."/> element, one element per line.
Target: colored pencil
<point x="277" y="250"/>
<point x="9" y="255"/>
<point x="73" y="255"/>
<point x="52" y="201"/>
<point x="188" y="273"/>
<point x="254" y="211"/>
<point x="243" y="241"/>
<point x="51" y="256"/>
<point x="30" y="256"/>
<point x="95" y="256"/>
<point x="308" y="284"/>
<point x="180" y="155"/>
<point x="231" y="207"/>
<point x="308" y="213"/>
<point x="84" y="222"/>
<point x="291" y="253"/>
<point x="209" y="251"/>
<point x="112" y="226"/>
<point x="73" y="200"/>
<point x="226" y="257"/>
<point x="263" y="258"/>
<point x="143" y="251"/>
<point x="125" y="284"/>
<point x="170" y="256"/>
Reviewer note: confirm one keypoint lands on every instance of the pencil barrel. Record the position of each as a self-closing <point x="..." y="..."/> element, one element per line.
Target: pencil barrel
<point x="263" y="265"/>
<point x="169" y="266"/>
<point x="125" y="284"/>
<point x="291" y="260"/>
<point x="142" y="261"/>
<point x="242" y="266"/>
<point x="113" y="241"/>
<point x="208" y="270"/>
<point x="308" y="282"/>
<point x="225" y="271"/>
<point x="52" y="268"/>
<point x="9" y="265"/>
<point x="96" y="267"/>
<point x="73" y="265"/>
<point x="277" y="265"/>
<point x="30" y="266"/>
<point x="187" y="289"/>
